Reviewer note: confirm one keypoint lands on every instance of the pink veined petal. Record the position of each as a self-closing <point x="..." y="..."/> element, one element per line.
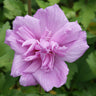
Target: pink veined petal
<point x="24" y="33"/>
<point x="30" y="58"/>
<point x="28" y="42"/>
<point x="34" y="25"/>
<point x="58" y="49"/>
<point x="30" y="49"/>
<point x="13" y="41"/>
<point x="44" y="43"/>
<point x="34" y="66"/>
<point x="62" y="71"/>
<point x="77" y="48"/>
<point x="30" y="23"/>
<point x="18" y="66"/>
<point x="52" y="18"/>
<point x="47" y="62"/>
<point x="69" y="32"/>
<point x="54" y="78"/>
<point x="18" y="22"/>
<point x="27" y="80"/>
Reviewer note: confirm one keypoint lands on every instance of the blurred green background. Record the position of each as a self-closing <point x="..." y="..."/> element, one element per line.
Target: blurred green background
<point x="82" y="76"/>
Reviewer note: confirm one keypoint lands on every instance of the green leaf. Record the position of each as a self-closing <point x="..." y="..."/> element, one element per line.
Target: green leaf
<point x="72" y="70"/>
<point x="42" y="4"/>
<point x="68" y="12"/>
<point x="1" y="1"/>
<point x="13" y="8"/>
<point x="89" y="89"/>
<point x="52" y="2"/>
<point x="33" y="95"/>
<point x="3" y="31"/>
<point x="86" y="16"/>
<point x="84" y="72"/>
<point x="3" y="49"/>
<point x="2" y="80"/>
<point x="91" y="60"/>
<point x="77" y="6"/>
<point x="8" y="84"/>
<point x="16" y="93"/>
<point x="92" y="27"/>
<point x="91" y="39"/>
<point x="1" y="24"/>
<point x="6" y="60"/>
<point x="86" y="12"/>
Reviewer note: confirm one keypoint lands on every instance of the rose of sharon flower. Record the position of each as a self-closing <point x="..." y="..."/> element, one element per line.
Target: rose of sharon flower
<point x="42" y="43"/>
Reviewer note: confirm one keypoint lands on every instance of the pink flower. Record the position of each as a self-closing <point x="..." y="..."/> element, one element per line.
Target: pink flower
<point x="42" y="43"/>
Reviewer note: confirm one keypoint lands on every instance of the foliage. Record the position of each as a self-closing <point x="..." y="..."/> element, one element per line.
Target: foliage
<point x="82" y="75"/>
<point x="13" y="8"/>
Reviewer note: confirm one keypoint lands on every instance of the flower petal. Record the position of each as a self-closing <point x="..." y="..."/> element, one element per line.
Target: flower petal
<point x="34" y="66"/>
<point x="25" y="33"/>
<point x="57" y="49"/>
<point x="29" y="22"/>
<point x="27" y="80"/>
<point x="52" y="17"/>
<point x="11" y="40"/>
<point x="68" y="33"/>
<point x="47" y="62"/>
<point x="77" y="48"/>
<point x="18" y="66"/>
<point x="55" y="78"/>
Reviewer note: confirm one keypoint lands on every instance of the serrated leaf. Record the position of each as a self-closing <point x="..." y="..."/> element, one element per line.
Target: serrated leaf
<point x="86" y="11"/>
<point x="89" y="89"/>
<point x="52" y="2"/>
<point x="13" y="8"/>
<point x="72" y="70"/>
<point x="68" y="12"/>
<point x="77" y="6"/>
<point x="2" y="80"/>
<point x="84" y="72"/>
<point x="3" y="31"/>
<point x="42" y="4"/>
<point x="3" y="49"/>
<point x="33" y="95"/>
<point x="8" y="84"/>
<point x="91" y="38"/>
<point x="1" y="24"/>
<point x="6" y="60"/>
<point x="1" y="1"/>
<point x="92" y="28"/>
<point x="91" y="60"/>
<point x="86" y="16"/>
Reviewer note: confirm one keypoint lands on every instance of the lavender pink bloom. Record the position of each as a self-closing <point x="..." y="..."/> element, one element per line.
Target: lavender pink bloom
<point x="42" y="44"/>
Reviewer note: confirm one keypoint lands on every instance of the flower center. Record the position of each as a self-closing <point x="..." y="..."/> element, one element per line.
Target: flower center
<point x="43" y="50"/>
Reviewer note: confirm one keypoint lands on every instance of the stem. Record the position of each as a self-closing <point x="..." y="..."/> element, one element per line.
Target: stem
<point x="86" y="1"/>
<point x="40" y="89"/>
<point x="70" y="3"/>
<point x="29" y="7"/>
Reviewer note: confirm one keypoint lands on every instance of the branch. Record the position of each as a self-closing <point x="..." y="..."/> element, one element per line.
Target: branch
<point x="29" y="8"/>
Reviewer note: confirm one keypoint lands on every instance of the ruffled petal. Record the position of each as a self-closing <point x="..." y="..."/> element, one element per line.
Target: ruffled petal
<point x="24" y="33"/>
<point x="68" y="33"/>
<point x="18" y="22"/>
<point x="27" y="80"/>
<point x="34" y="66"/>
<point x="55" y="78"/>
<point x="77" y="48"/>
<point x="12" y="40"/>
<point x="58" y="49"/>
<point x="52" y="18"/>
<point x="47" y="62"/>
<point x="30" y="23"/>
<point x="18" y="66"/>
